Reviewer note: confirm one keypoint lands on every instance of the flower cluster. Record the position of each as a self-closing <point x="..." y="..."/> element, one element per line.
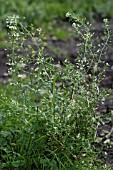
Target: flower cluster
<point x="12" y="22"/>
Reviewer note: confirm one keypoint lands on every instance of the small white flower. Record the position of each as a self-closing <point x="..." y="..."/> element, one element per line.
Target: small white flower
<point x="105" y="20"/>
<point x="68" y="14"/>
<point x="74" y="25"/>
<point x="22" y="76"/>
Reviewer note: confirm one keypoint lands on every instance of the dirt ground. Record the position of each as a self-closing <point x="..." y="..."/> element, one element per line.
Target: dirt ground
<point x="62" y="49"/>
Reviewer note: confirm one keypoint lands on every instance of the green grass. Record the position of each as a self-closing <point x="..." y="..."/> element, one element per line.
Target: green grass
<point x="48" y="116"/>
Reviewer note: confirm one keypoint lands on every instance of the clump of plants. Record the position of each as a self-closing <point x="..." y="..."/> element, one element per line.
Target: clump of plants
<point x="48" y="112"/>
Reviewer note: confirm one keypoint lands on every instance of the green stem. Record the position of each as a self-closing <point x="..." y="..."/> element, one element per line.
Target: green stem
<point x="13" y="51"/>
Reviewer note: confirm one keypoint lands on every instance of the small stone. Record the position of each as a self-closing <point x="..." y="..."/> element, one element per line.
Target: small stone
<point x="5" y="74"/>
<point x="54" y="38"/>
<point x="102" y="134"/>
<point x="107" y="141"/>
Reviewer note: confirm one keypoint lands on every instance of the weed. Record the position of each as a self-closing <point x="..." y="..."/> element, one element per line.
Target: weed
<point x="49" y="120"/>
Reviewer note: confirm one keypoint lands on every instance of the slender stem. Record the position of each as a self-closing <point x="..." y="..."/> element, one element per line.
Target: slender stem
<point x="105" y="44"/>
<point x="13" y="51"/>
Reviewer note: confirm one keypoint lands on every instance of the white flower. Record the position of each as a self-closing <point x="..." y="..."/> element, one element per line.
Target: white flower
<point x="22" y="76"/>
<point x="68" y="14"/>
<point x="105" y="20"/>
<point x="74" y="25"/>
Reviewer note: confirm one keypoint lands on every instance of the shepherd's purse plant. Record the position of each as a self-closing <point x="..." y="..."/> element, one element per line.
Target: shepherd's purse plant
<point x="48" y="111"/>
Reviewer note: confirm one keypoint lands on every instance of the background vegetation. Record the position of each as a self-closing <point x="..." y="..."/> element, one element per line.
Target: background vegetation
<point x="50" y="14"/>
